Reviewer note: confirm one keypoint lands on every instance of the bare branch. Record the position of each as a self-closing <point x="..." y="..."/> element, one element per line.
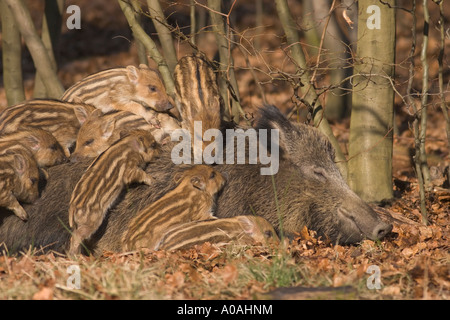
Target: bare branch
<point x="37" y="49"/>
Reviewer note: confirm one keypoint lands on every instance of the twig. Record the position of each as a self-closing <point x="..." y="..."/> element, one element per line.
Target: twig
<point x="229" y="90"/>
<point x="420" y="122"/>
<point x="37" y="49"/>
<point x="322" y="38"/>
<point x="193" y="22"/>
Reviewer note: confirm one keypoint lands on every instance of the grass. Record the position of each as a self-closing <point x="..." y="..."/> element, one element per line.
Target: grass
<point x="224" y="272"/>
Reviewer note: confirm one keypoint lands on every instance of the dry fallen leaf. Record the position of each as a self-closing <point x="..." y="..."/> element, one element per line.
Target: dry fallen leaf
<point x="229" y="273"/>
<point x="46" y="291"/>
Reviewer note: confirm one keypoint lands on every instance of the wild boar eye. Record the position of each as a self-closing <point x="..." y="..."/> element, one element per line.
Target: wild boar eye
<point x="319" y="173"/>
<point x="152" y="88"/>
<point x="89" y="142"/>
<point x="154" y="145"/>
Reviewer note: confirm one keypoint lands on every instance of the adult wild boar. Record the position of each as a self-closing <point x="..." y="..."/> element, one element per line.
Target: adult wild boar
<point x="307" y="190"/>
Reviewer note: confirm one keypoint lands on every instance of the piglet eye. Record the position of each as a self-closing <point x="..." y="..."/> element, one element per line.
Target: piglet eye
<point x="89" y="142"/>
<point x="212" y="175"/>
<point x="33" y="181"/>
<point x="152" y="88"/>
<point x="268" y="234"/>
<point x="154" y="145"/>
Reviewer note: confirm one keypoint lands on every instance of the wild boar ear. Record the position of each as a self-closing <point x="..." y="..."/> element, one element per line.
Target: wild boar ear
<point x="198" y="182"/>
<point x="81" y="113"/>
<point x="246" y="224"/>
<point x="133" y="74"/>
<point x="271" y="118"/>
<point x="43" y="174"/>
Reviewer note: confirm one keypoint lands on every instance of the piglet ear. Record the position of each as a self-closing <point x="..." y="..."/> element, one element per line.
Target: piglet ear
<point x="33" y="142"/>
<point x="108" y="128"/>
<point x="136" y="144"/>
<point x="246" y="224"/>
<point x="198" y="182"/>
<point x="133" y="74"/>
<point x="81" y="113"/>
<point x="143" y="66"/>
<point x="20" y="164"/>
<point x="97" y="113"/>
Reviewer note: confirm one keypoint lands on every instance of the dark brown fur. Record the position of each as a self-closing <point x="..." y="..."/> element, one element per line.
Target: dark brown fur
<point x="307" y="190"/>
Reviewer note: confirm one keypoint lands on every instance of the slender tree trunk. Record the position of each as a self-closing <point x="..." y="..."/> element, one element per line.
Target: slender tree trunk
<point x="227" y="82"/>
<point x="371" y="127"/>
<point x="141" y="52"/>
<point x="444" y="106"/>
<point x="37" y="49"/>
<point x="310" y="95"/>
<point x="150" y="45"/>
<point x="165" y="37"/>
<point x="12" y="56"/>
<point x="336" y="54"/>
<point x="193" y="22"/>
<point x="51" y="30"/>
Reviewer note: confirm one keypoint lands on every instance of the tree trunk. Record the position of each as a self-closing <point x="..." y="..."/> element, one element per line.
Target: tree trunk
<point x="51" y="30"/>
<point x="150" y="46"/>
<point x="371" y="127"/>
<point x="336" y="57"/>
<point x="37" y="49"/>
<point x="310" y="95"/>
<point x="141" y="51"/>
<point x="227" y="82"/>
<point x="164" y="34"/>
<point x="12" y="56"/>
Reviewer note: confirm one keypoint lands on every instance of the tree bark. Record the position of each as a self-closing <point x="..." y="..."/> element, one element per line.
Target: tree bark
<point x="141" y="51"/>
<point x="336" y="55"/>
<point x="164" y="34"/>
<point x="310" y="95"/>
<point x="51" y="30"/>
<point x="37" y="49"/>
<point x="371" y="126"/>
<point x="12" y="56"/>
<point x="227" y="82"/>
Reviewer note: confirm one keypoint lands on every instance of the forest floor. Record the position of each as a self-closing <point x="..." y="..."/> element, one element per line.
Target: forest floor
<point x="413" y="262"/>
